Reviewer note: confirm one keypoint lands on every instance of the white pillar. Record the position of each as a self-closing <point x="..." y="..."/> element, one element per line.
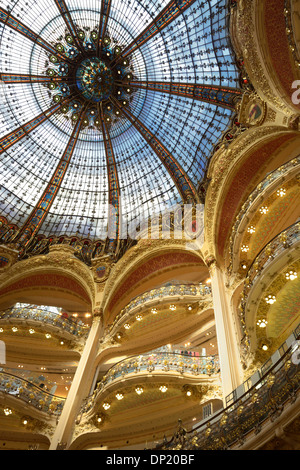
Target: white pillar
<point x="79" y="388"/>
<point x="228" y="348"/>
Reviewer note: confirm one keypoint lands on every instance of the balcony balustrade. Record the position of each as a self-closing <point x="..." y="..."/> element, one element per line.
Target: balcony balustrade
<point x="157" y="362"/>
<point x="265" y="400"/>
<point x="155" y="297"/>
<point x="29" y="393"/>
<point x="44" y="317"/>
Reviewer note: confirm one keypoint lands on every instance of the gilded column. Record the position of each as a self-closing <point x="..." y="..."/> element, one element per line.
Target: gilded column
<point x="228" y="348"/>
<point x="80" y="386"/>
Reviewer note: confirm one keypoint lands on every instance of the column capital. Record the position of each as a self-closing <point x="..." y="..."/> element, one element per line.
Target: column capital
<point x="211" y="263"/>
<point x="98" y="314"/>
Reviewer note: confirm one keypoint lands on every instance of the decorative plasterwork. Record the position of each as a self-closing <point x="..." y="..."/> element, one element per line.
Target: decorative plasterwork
<point x="61" y="260"/>
<point x="138" y="255"/>
<point x="8" y="257"/>
<point x="274" y="259"/>
<point x="249" y="214"/>
<point x="225" y="164"/>
<point x="250" y="42"/>
<point x="101" y="268"/>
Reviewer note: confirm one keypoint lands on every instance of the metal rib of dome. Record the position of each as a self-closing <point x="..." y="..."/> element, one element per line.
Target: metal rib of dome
<point x="109" y="102"/>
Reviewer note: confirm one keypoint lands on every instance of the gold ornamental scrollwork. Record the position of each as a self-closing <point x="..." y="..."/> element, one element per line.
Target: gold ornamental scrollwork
<point x="101" y="268"/>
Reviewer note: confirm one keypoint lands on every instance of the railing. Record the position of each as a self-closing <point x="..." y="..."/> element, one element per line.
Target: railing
<point x="291" y="32"/>
<point x="159" y="361"/>
<point x="289" y="167"/>
<point x="46" y="317"/>
<point x="189" y="291"/>
<point x="275" y="247"/>
<point x="263" y="401"/>
<point x="168" y="291"/>
<point x="30" y="394"/>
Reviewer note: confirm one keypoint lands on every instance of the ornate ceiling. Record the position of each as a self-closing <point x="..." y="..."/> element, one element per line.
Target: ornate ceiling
<point x="109" y="104"/>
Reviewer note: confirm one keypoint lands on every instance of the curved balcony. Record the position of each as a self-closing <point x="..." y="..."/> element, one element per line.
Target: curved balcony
<point x="276" y="255"/>
<point x="41" y="317"/>
<point x="29" y="393"/>
<point x="152" y="299"/>
<point x="264" y="189"/>
<point x="162" y="364"/>
<point x="241" y="424"/>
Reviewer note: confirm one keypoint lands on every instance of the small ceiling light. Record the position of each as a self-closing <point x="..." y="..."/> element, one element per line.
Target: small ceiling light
<point x="126" y="326"/>
<point x="31" y="331"/>
<point x="139" y="318"/>
<point x="7" y="411"/>
<point x="106" y="406"/>
<point x="163" y="388"/>
<point x="291" y="275"/>
<point x="208" y="281"/>
<point x="189" y="393"/>
<point x="263" y="210"/>
<point x="139" y="390"/>
<point x="262" y="323"/>
<point x="154" y="311"/>
<point x="270" y="299"/>
<point x="245" y="248"/>
<point x="190" y="307"/>
<point x="251" y="229"/>
<point x="265" y="347"/>
<point x="281" y="192"/>
<point x="14" y="329"/>
<point x="172" y="307"/>
<point x="99" y="420"/>
<point x="119" y="396"/>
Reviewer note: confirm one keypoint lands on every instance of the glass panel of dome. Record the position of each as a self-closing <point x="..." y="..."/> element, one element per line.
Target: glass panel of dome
<point x="193" y="48"/>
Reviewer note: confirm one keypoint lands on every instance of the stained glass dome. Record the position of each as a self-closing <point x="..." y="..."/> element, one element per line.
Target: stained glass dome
<point x="112" y="102"/>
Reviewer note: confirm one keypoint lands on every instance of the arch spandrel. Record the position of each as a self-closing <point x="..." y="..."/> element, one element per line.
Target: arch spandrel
<point x="148" y="265"/>
<point x="234" y="173"/>
<point x="59" y="278"/>
<point x="263" y="43"/>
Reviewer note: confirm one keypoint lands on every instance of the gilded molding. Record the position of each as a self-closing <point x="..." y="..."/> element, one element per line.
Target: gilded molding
<point x="249" y="48"/>
<point x="59" y="257"/>
<point x="224" y="162"/>
<point x="141" y="251"/>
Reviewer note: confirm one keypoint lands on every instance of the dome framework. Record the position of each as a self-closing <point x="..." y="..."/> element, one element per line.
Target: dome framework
<point x="102" y="96"/>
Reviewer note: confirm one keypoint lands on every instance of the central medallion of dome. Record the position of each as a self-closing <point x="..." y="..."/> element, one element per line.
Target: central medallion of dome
<point x="94" y="80"/>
